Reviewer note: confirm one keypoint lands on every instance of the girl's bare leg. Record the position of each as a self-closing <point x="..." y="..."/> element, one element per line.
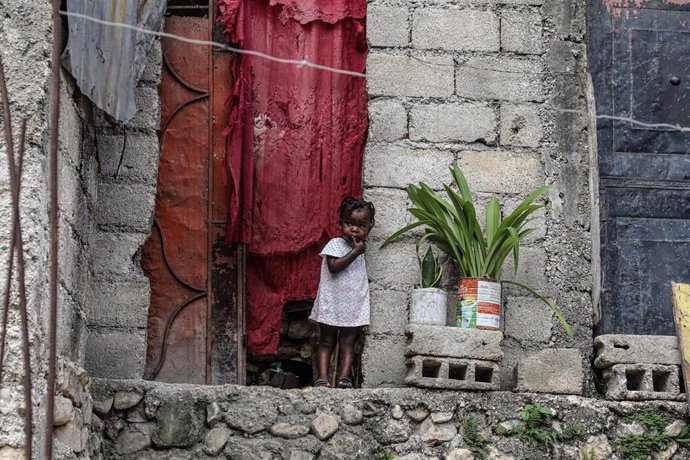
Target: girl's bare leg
<point x="328" y="337"/>
<point x="346" y="342"/>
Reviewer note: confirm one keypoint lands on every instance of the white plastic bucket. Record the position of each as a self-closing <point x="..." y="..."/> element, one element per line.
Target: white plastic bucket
<point x="428" y="306"/>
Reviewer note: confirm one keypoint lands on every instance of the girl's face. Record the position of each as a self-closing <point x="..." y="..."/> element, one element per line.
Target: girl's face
<point x="357" y="225"/>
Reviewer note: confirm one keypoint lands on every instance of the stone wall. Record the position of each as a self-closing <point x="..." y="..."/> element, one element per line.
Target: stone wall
<point x="481" y="85"/>
<point x="128" y="159"/>
<point x="146" y="420"/>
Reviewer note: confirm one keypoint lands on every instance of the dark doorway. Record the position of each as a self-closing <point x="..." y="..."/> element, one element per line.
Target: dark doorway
<point x="640" y="65"/>
<point x="195" y="325"/>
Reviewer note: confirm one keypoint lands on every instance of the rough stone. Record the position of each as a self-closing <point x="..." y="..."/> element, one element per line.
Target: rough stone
<point x="215" y="441"/>
<point x="388" y="26"/>
<point x="214" y="413"/>
<point x="642" y="381"/>
<point x="441" y="417"/>
<point x="521" y="125"/>
<point x="387" y="120"/>
<point x="455" y="29"/>
<point x="177" y="425"/>
<point x="509" y="79"/>
<point x="553" y="370"/>
<point x="251" y="419"/>
<point x="521" y="32"/>
<point x="102" y="406"/>
<point x="635" y="349"/>
<point x="301" y="455"/>
<point x="324" y="426"/>
<point x="288" y="430"/>
<point x="596" y="447"/>
<point x="126" y="399"/>
<point x="397" y="412"/>
<point x="459" y="454"/>
<point x="11" y="453"/>
<point x="467" y="122"/>
<point x="392" y="165"/>
<point x="392" y="432"/>
<point x="300" y="329"/>
<point x="70" y="434"/>
<point x="418" y="414"/>
<point x="453" y="342"/>
<point x="113" y="427"/>
<point x="131" y="441"/>
<point x="434" y="434"/>
<point x="394" y="75"/>
<point x="240" y="449"/>
<point x="345" y="446"/>
<point x="675" y="428"/>
<point x="351" y="415"/>
<point x="63" y="410"/>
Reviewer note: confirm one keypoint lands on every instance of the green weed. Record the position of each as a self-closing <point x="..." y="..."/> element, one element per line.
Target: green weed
<point x="472" y="436"/>
<point x="640" y="446"/>
<point x="539" y="427"/>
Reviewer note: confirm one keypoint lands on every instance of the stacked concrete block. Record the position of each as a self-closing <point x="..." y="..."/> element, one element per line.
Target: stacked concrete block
<point x="453" y="358"/>
<point x="639" y="367"/>
<point x="553" y="370"/>
<point x="477" y="84"/>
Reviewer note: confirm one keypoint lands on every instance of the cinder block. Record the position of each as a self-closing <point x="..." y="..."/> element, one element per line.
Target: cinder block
<point x="635" y="382"/>
<point x="388" y="311"/>
<point x="113" y="256"/>
<point x="490" y="78"/>
<point x="500" y="171"/>
<point x="531" y="271"/>
<point x="456" y="30"/>
<point x="393" y="267"/>
<point x="391" y="212"/>
<point x="468" y="122"/>
<point x="388" y="26"/>
<point x="154" y="63"/>
<point x="148" y="108"/>
<point x="395" y="165"/>
<point x="454" y="342"/>
<point x="527" y="319"/>
<point x="119" y="305"/>
<point x="383" y="361"/>
<point x="387" y="120"/>
<point x="423" y="76"/>
<point x="452" y="374"/>
<point x="116" y="354"/>
<point x="140" y="161"/>
<point x="614" y="349"/>
<point x="553" y="370"/>
<point x="521" y="32"/>
<point x="521" y="125"/>
<point x="128" y="207"/>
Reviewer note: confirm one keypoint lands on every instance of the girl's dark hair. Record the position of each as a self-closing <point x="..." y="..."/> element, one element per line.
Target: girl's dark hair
<point x="351" y="204"/>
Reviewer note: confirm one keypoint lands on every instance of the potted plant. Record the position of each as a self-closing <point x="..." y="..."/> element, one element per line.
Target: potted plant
<point x="428" y="303"/>
<point x="451" y="225"/>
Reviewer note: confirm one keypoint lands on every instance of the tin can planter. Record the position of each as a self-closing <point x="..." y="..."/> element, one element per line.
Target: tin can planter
<point x="428" y="306"/>
<point x="479" y="304"/>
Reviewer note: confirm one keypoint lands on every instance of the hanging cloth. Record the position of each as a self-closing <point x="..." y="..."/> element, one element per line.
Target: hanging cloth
<point x="295" y="143"/>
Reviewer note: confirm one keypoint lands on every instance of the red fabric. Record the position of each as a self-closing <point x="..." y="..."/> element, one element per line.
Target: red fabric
<point x="295" y="142"/>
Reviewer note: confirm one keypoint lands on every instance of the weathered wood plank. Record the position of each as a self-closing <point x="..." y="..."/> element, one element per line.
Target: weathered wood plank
<point x="680" y="294"/>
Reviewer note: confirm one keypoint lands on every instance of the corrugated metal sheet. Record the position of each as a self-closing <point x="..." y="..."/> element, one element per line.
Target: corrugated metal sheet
<point x="108" y="61"/>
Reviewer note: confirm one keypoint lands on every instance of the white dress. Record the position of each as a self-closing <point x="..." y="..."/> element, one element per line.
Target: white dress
<point x="343" y="298"/>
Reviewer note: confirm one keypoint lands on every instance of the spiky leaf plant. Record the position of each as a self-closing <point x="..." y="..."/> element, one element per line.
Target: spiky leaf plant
<point x="430" y="269"/>
<point x="451" y="225"/>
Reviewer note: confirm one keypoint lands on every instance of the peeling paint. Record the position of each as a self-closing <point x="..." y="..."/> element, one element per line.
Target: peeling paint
<point x="623" y="8"/>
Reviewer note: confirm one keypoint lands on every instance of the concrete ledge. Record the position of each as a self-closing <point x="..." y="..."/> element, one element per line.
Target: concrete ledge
<point x="614" y="349"/>
<point x="636" y="382"/>
<point x="553" y="370"/>
<point x="454" y="342"/>
<point x="452" y="374"/>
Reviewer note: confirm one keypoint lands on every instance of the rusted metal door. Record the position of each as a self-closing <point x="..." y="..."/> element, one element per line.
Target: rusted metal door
<point x="639" y="60"/>
<point x="195" y="314"/>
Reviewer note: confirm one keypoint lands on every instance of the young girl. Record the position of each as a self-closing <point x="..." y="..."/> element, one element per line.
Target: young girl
<point x="342" y="303"/>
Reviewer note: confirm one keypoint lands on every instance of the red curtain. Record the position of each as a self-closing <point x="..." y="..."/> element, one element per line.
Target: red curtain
<point x="296" y="137"/>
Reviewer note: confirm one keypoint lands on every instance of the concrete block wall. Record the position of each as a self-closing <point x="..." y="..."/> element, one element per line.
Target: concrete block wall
<point x="481" y="84"/>
<point x="126" y="184"/>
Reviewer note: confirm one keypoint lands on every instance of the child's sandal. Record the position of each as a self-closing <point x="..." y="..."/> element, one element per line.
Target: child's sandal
<point x="323" y="383"/>
<point x="344" y="383"/>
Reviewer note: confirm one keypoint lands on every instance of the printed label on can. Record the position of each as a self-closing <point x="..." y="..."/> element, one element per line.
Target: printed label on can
<point x="479" y="304"/>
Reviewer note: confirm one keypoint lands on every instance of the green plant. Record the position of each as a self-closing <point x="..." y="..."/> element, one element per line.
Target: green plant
<point x="539" y="428"/>
<point x="655" y="439"/>
<point x="452" y="226"/>
<point x="385" y="455"/>
<point x="471" y="434"/>
<point x="430" y="269"/>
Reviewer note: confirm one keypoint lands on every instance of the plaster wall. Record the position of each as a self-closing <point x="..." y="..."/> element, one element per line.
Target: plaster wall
<point x="480" y="84"/>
